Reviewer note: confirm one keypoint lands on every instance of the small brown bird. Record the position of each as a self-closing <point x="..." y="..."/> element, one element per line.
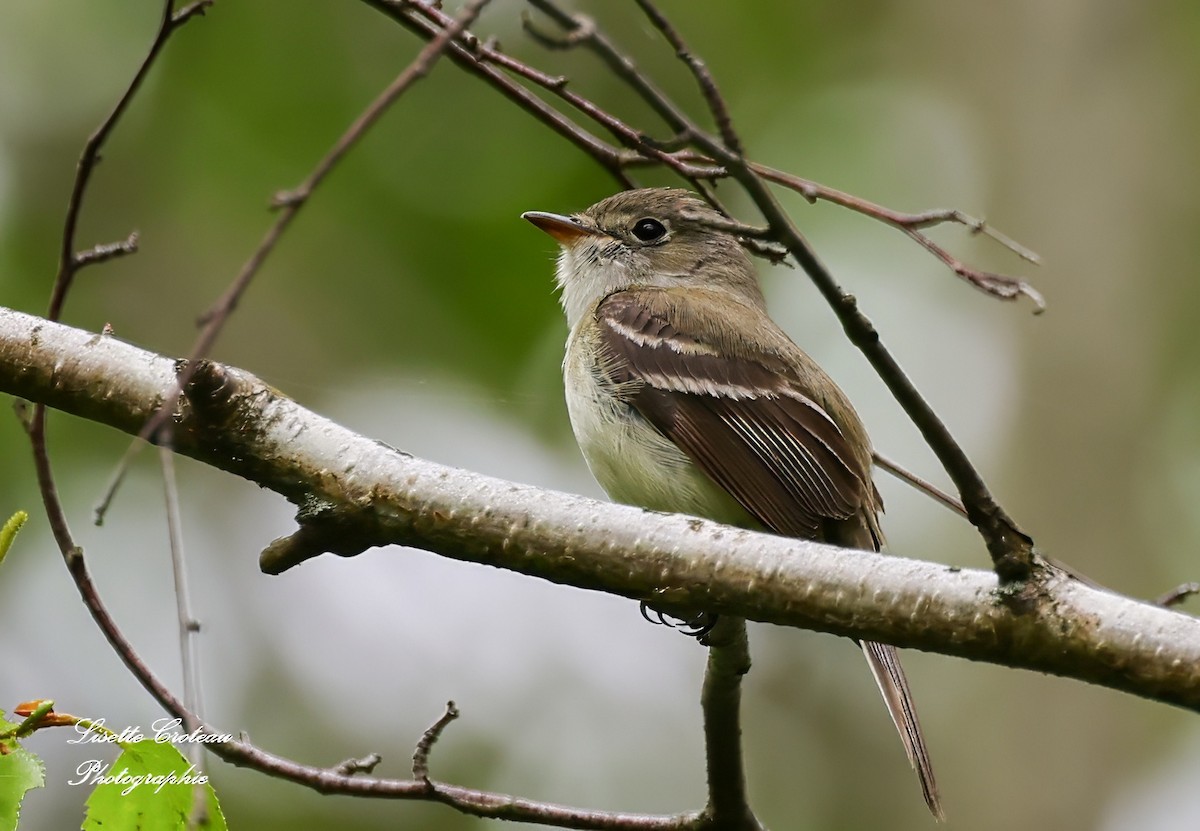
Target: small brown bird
<point x="685" y="396"/>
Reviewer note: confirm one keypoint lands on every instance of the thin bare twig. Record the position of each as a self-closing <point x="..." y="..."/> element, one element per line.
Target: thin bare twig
<point x="997" y="285"/>
<point x="926" y="487"/>
<point x="942" y="216"/>
<point x="583" y="31"/>
<point x="579" y="28"/>
<point x="364" y="764"/>
<point x="949" y="501"/>
<point x="420" y="765"/>
<point x="115" y="479"/>
<point x="704" y="78"/>
<point x="816" y="192"/>
<point x="104" y="252"/>
<point x="69" y="263"/>
<point x="469" y="58"/>
<point x="189" y="626"/>
<point x="1177" y="595"/>
<point x="290" y="203"/>
<point x="624" y="133"/>
<point x="189" y="630"/>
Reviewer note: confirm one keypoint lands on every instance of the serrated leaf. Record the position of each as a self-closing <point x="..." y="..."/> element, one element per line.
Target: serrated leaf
<point x="20" y="772"/>
<point x="150" y="787"/>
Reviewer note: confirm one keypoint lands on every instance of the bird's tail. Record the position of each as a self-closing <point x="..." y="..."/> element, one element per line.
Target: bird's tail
<point x="889" y="675"/>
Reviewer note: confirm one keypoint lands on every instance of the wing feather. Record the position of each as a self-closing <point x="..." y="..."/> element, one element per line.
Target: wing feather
<point x="743" y="418"/>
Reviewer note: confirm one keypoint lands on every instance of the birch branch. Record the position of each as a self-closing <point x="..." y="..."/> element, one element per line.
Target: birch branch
<point x="355" y="492"/>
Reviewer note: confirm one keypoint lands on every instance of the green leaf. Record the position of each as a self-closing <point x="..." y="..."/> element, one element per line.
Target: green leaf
<point x="149" y="788"/>
<point x="9" y="531"/>
<point x="20" y="771"/>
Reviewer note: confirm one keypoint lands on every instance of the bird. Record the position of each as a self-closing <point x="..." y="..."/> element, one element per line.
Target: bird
<point x="685" y="396"/>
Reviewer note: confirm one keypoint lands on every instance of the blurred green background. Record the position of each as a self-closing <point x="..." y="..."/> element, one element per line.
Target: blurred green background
<point x="410" y="302"/>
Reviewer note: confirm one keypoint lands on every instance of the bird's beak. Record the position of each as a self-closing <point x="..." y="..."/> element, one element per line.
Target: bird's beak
<point x="566" y="230"/>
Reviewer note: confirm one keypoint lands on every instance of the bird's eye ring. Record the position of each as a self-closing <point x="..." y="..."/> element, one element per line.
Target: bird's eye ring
<point x="649" y="229"/>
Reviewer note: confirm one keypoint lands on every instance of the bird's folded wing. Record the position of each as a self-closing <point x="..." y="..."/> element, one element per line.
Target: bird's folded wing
<point x="738" y="413"/>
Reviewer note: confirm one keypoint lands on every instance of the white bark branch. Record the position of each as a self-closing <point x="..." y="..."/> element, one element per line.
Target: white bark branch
<point x="354" y="492"/>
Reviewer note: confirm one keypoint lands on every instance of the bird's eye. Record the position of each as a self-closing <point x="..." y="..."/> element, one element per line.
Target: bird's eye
<point x="648" y="230"/>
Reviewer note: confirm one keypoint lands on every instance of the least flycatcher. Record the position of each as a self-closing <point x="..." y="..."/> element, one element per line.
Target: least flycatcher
<point x="685" y="396"/>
